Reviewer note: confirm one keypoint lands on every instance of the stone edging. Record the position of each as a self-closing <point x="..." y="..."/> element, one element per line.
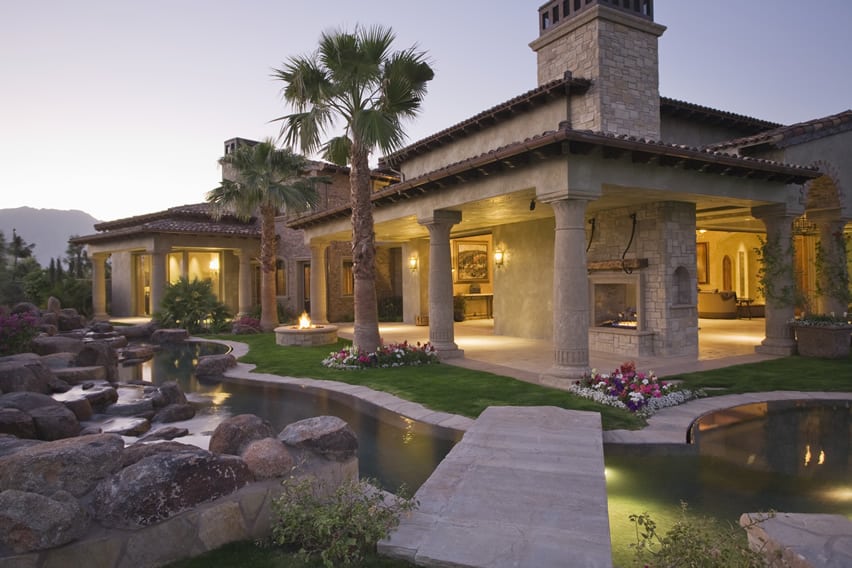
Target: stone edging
<point x="671" y="425"/>
<point x="243" y="372"/>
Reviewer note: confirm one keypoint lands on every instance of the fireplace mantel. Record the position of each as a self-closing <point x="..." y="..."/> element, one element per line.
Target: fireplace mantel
<point x="619" y="264"/>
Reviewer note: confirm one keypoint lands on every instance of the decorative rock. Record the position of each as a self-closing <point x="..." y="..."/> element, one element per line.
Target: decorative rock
<point x="168" y="393"/>
<point x="131" y="332"/>
<point x="56" y="360"/>
<point x="69" y="320"/>
<point x="214" y="365"/>
<point x="136" y="353"/>
<point x="54" y="422"/>
<point x="326" y="435"/>
<point x="27" y="401"/>
<point x="26" y="308"/>
<point x="268" y="458"/>
<point x="29" y="521"/>
<point x="141" y="450"/>
<point x="161" y="336"/>
<point x="131" y="408"/>
<point x="102" y="327"/>
<point x="10" y="444"/>
<point x="234" y="434"/>
<point x="25" y="375"/>
<point x="125" y="426"/>
<point x="17" y="423"/>
<point x="80" y="406"/>
<point x="74" y="465"/>
<point x="162" y="485"/>
<point x="165" y="433"/>
<point x="99" y="353"/>
<point x="174" y="413"/>
<point x="80" y="375"/>
<point x="57" y="344"/>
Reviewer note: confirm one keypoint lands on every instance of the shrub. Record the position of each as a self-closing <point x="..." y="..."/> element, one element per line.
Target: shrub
<point x="16" y="332"/>
<point x="341" y="528"/>
<point x="391" y="355"/>
<point x="192" y="306"/>
<point x="693" y="542"/>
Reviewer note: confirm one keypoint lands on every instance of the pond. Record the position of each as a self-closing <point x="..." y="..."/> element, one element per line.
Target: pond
<point x="392" y="449"/>
<point x="783" y="456"/>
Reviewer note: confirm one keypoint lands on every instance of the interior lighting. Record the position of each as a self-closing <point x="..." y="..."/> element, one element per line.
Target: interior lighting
<point x="412" y="263"/>
<point x="499" y="257"/>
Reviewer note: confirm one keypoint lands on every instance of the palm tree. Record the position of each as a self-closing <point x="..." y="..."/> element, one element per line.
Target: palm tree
<point x="355" y="81"/>
<point x="268" y="181"/>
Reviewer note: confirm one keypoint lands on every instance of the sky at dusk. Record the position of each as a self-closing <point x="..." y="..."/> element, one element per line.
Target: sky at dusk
<point x="120" y="108"/>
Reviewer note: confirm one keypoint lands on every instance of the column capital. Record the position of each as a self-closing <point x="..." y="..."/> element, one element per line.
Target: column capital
<point x="441" y="217"/>
<point x="776" y="211"/>
<point x="567" y="195"/>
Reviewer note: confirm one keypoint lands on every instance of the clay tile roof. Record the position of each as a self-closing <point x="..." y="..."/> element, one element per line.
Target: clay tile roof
<point x="799" y="133"/>
<point x="197" y="219"/>
<point x="486" y="118"/>
<point x="674" y="107"/>
<point x="555" y="143"/>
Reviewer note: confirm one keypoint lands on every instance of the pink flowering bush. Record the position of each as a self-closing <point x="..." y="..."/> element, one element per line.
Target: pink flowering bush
<point x="16" y="332"/>
<point x="391" y="355"/>
<point x="632" y="390"/>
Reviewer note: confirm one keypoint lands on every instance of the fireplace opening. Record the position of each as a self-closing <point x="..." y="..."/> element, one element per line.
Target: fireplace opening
<point x="616" y="301"/>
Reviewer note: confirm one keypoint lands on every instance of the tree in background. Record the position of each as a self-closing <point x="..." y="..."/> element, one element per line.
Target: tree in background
<point x="268" y="181"/>
<point x="355" y="80"/>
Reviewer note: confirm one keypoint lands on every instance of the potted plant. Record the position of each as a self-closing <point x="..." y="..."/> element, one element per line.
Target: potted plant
<point x="823" y="335"/>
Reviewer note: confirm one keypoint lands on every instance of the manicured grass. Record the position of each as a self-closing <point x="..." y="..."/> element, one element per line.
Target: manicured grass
<point x="788" y="373"/>
<point x="246" y="554"/>
<point x="440" y="387"/>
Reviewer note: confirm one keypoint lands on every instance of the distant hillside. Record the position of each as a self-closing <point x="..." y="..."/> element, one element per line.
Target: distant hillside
<point x="48" y="229"/>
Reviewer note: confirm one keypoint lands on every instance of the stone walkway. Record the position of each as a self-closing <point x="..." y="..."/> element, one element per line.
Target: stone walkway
<point x="524" y="487"/>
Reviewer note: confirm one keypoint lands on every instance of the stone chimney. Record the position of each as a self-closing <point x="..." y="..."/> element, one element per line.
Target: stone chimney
<point x="231" y="146"/>
<point x="614" y="44"/>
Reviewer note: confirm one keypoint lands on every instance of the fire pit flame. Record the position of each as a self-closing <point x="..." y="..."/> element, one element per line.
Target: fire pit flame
<point x="304" y="321"/>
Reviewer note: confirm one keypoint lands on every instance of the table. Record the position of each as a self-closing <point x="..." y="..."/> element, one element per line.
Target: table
<point x="744" y="303"/>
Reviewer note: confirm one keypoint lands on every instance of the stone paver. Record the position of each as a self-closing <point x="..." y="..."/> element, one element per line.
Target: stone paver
<point x="803" y="541"/>
<point x="524" y="487"/>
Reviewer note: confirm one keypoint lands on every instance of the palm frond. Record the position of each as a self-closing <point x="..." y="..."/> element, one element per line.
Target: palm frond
<point x="337" y="150"/>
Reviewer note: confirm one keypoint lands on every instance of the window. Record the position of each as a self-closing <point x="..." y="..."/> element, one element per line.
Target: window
<point x="280" y="278"/>
<point x="347" y="279"/>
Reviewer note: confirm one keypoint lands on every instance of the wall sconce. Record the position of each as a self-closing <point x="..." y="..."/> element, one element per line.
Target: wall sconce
<point x="499" y="257"/>
<point x="412" y="263"/>
<point x="214" y="264"/>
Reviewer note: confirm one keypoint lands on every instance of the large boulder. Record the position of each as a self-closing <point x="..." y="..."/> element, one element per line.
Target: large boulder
<point x="26" y="308"/>
<point x="45" y="345"/>
<point x="30" y="375"/>
<point x="141" y="450"/>
<point x="268" y="458"/>
<point x="160" y="336"/>
<point x="328" y="436"/>
<point x="166" y="394"/>
<point x="142" y="331"/>
<point x="69" y="320"/>
<point x="164" y="433"/>
<point x="164" y="484"/>
<point x="174" y="413"/>
<point x="27" y="401"/>
<point x="30" y="521"/>
<point x="17" y="423"/>
<point x="79" y="375"/>
<point x="55" y="422"/>
<point x="54" y="306"/>
<point x="100" y="354"/>
<point x="75" y="465"/>
<point x="11" y="444"/>
<point x="125" y="426"/>
<point x="133" y="354"/>
<point x="233" y="434"/>
<point x="214" y="365"/>
<point x="138" y="407"/>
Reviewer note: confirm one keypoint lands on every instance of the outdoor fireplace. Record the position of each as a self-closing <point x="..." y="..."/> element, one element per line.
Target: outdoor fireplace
<point x="616" y="300"/>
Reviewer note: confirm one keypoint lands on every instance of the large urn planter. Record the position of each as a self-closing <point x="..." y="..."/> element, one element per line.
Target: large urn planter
<point x="825" y="342"/>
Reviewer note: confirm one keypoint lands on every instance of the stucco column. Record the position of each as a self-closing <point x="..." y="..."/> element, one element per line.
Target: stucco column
<point x="571" y="311"/>
<point x="319" y="286"/>
<point x="441" y="333"/>
<point x="158" y="279"/>
<point x="99" y="286"/>
<point x="244" y="283"/>
<point x="780" y="303"/>
<point x="832" y="274"/>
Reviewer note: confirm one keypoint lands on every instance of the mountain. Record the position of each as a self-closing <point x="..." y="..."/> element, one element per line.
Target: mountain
<point x="48" y="229"/>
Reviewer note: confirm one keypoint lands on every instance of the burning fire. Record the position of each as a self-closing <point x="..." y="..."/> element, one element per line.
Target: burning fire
<point x="304" y="321"/>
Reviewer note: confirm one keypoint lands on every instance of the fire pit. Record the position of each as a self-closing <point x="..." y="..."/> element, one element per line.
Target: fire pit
<point x="305" y="334"/>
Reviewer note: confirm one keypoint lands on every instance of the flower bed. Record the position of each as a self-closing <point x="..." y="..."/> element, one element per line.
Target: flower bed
<point x="391" y="355"/>
<point x="632" y="390"/>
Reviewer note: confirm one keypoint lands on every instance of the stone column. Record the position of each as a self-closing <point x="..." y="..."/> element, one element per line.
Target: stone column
<point x="441" y="333"/>
<point x="99" y="286"/>
<point x="184" y="265"/>
<point x="244" y="283"/>
<point x="571" y="311"/>
<point x="158" y="279"/>
<point x="319" y="287"/>
<point x="780" y="298"/>
<point x="833" y="272"/>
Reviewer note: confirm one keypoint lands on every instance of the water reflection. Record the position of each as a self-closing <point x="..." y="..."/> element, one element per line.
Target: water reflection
<point x="392" y="448"/>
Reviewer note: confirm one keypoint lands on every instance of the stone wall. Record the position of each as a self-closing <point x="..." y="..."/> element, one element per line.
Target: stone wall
<point x="242" y="515"/>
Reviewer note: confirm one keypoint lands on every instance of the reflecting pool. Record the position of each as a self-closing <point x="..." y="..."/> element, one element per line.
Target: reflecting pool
<point x="783" y="456"/>
<point x="392" y="448"/>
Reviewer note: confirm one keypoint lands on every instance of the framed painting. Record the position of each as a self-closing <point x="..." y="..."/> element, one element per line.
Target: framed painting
<point x="703" y="263"/>
<point x="471" y="261"/>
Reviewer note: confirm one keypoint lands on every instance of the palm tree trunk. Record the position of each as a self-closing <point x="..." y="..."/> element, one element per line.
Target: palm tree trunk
<point x="363" y="252"/>
<point x="268" y="253"/>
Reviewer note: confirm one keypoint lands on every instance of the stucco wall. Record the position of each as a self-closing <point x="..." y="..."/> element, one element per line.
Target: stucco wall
<point x="523" y="288"/>
<point x="122" y="288"/>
